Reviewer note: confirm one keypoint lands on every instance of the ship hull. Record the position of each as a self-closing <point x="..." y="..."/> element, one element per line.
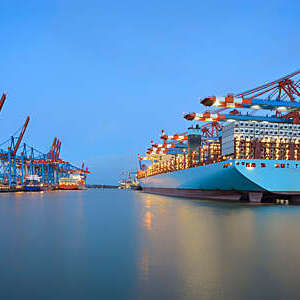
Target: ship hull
<point x="72" y="187"/>
<point x="195" y="193"/>
<point x="135" y="187"/>
<point x="230" y="180"/>
<point x="34" y="188"/>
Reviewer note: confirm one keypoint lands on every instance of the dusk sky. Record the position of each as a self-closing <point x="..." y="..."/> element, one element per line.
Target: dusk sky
<point x="107" y="76"/>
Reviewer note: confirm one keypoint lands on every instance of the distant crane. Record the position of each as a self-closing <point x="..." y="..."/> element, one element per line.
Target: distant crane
<point x="52" y="149"/>
<point x="20" y="137"/>
<point x="2" y="100"/>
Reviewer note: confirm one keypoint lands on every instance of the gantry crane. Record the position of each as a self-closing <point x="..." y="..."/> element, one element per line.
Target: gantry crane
<point x="16" y="164"/>
<point x="282" y="95"/>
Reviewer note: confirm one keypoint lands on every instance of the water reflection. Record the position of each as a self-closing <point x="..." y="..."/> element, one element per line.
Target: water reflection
<point x="111" y="244"/>
<point x="144" y="266"/>
<point x="210" y="250"/>
<point x="148" y="220"/>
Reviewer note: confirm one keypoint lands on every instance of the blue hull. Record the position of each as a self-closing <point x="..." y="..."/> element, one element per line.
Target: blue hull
<point x="237" y="176"/>
<point x="32" y="188"/>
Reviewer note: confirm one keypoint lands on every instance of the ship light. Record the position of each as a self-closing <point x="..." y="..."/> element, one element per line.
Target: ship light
<point x="249" y="168"/>
<point x="281" y="108"/>
<point x="217" y="102"/>
<point x="255" y="107"/>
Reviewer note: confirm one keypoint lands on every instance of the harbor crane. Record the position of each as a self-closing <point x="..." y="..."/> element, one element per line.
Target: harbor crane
<point x="2" y="100"/>
<point x="211" y="117"/>
<point x="20" y="137"/>
<point x="282" y="95"/>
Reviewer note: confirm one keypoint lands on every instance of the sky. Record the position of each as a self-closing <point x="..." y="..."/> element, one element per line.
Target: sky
<point x="106" y="77"/>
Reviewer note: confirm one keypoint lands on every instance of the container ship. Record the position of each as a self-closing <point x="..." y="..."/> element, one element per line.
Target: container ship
<point x="247" y="148"/>
<point x="33" y="184"/>
<point x="73" y="182"/>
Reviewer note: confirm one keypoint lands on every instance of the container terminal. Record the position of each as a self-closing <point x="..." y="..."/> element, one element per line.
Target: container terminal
<point x="24" y="168"/>
<point x="242" y="147"/>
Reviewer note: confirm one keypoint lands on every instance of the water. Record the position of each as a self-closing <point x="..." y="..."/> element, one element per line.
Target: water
<point x="112" y="244"/>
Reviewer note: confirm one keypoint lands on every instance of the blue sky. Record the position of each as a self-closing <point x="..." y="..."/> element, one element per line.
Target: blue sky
<point x="106" y="76"/>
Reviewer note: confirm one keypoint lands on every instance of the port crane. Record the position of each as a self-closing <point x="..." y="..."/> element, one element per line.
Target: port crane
<point x="175" y="137"/>
<point x="55" y="150"/>
<point x="235" y="116"/>
<point x="16" y="147"/>
<point x="2" y="100"/>
<point x="20" y="160"/>
<point x="52" y="149"/>
<point x="177" y="142"/>
<point x="210" y="130"/>
<point x="282" y="95"/>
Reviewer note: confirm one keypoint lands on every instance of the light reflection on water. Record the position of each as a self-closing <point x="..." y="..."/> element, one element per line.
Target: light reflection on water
<point x="211" y="250"/>
<point x="111" y="244"/>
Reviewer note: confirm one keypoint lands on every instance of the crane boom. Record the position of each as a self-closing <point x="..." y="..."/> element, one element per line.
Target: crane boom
<point x="252" y="103"/>
<point x="2" y="100"/>
<point x="56" y="149"/>
<point x="278" y="85"/>
<point x="232" y="117"/>
<point x="21" y="136"/>
<point x="52" y="148"/>
<point x="175" y="137"/>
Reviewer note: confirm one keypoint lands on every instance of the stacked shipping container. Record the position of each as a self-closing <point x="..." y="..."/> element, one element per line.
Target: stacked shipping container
<point x="240" y="140"/>
<point x="261" y="140"/>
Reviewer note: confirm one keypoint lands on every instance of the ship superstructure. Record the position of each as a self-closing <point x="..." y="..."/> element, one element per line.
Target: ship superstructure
<point x="73" y="182"/>
<point x="33" y="184"/>
<point x="249" y="148"/>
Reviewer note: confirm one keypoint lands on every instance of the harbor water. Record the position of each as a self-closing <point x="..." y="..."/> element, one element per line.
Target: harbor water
<point x="120" y="244"/>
